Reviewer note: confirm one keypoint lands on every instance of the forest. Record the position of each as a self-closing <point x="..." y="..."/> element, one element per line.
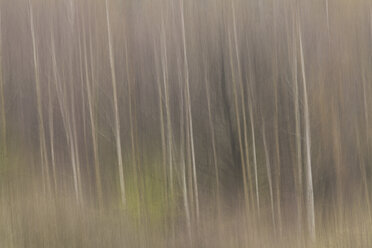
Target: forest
<point x="185" y="123"/>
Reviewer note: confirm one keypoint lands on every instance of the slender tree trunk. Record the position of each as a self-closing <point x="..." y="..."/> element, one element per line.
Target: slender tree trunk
<point x="185" y="199"/>
<point x="70" y="108"/>
<point x="269" y="177"/>
<point x="116" y="111"/>
<point x="65" y="117"/>
<point x="337" y="160"/>
<point x="255" y="162"/>
<point x="162" y="134"/>
<point x="74" y="139"/>
<point x="309" y="177"/>
<point x="183" y="160"/>
<point x="68" y="118"/>
<point x="189" y="177"/>
<point x="132" y="131"/>
<point x="237" y="117"/>
<point x="188" y="103"/>
<point x="164" y="61"/>
<point x="90" y="97"/>
<point x="83" y="106"/>
<point x="214" y="149"/>
<point x="276" y="121"/>
<point x="298" y="175"/>
<point x="366" y="91"/>
<point x="297" y="158"/>
<point x="242" y="102"/>
<point x="277" y="155"/>
<point x="51" y="134"/>
<point x="250" y="104"/>
<point x="42" y="143"/>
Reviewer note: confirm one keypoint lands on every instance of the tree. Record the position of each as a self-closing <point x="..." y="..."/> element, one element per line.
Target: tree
<point x="116" y="109"/>
<point x="309" y="177"/>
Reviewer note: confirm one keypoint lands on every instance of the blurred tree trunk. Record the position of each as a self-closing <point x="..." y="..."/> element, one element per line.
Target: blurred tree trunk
<point x="89" y="85"/>
<point x="238" y="77"/>
<point x="133" y="136"/>
<point x="213" y="141"/>
<point x="250" y="106"/>
<point x="188" y="104"/>
<point x="116" y="110"/>
<point x="162" y="130"/>
<point x="164" y="62"/>
<point x="183" y="159"/>
<point x="51" y="133"/>
<point x="61" y="96"/>
<point x="42" y="143"/>
<point x="269" y="177"/>
<point x="298" y="174"/>
<point x="275" y="75"/>
<point x="309" y="177"/>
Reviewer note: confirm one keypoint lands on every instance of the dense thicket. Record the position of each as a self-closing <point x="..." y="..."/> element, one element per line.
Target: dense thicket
<point x="172" y="110"/>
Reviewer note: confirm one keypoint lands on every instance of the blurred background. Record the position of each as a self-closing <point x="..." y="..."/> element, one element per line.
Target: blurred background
<point x="185" y="123"/>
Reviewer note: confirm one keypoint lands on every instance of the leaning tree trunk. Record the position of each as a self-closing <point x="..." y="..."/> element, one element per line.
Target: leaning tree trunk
<point x="309" y="177"/>
<point x="42" y="143"/>
<point x="188" y="104"/>
<point x="116" y="109"/>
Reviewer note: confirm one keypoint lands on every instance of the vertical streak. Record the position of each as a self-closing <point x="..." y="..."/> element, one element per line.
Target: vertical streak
<point x="116" y="111"/>
<point x="268" y="171"/>
<point x="214" y="150"/>
<point x="189" y="109"/>
<point x="309" y="178"/>
<point x="242" y="101"/>
<point x="43" y="155"/>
